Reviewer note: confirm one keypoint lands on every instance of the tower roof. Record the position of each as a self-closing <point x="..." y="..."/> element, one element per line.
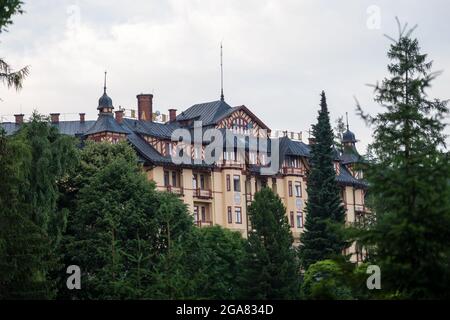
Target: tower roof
<point x="105" y="101"/>
<point x="348" y="136"/>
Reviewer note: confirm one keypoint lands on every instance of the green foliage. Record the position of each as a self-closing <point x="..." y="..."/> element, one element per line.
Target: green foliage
<point x="9" y="8"/>
<point x="30" y="220"/>
<point x="336" y="280"/>
<point x="204" y="266"/>
<point x="270" y="266"/>
<point x="11" y="78"/>
<point x="323" y="237"/>
<point x="52" y="157"/>
<point x="410" y="179"/>
<point x="338" y="133"/>
<point x="325" y="280"/>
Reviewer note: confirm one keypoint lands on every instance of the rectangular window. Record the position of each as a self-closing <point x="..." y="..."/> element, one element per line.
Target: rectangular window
<point x="291" y="219"/>
<point x="168" y="149"/>
<point x="194" y="182"/>
<point x="299" y="220"/>
<point x="230" y="215"/>
<point x="202" y="182"/>
<point x="196" y="214"/>
<point x="237" y="183"/>
<point x="238" y="211"/>
<point x="290" y="188"/>
<point x="203" y="214"/>
<point x="274" y="185"/>
<point x="166" y="178"/>
<point x="174" y="179"/>
<point x="228" y="182"/>
<point x="298" y="189"/>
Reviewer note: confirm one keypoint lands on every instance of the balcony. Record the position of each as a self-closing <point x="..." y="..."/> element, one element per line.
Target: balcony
<point x="201" y="224"/>
<point x="231" y="164"/>
<point x="203" y="194"/>
<point x="361" y="208"/>
<point x="175" y="190"/>
<point x="293" y="171"/>
<point x="249" y="197"/>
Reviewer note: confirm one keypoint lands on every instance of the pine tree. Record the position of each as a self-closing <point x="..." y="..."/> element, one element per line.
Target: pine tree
<point x="325" y="215"/>
<point x="409" y="179"/>
<point x="270" y="266"/>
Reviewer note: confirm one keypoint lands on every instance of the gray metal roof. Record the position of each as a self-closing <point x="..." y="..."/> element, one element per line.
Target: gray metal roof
<point x="105" y="102"/>
<point x="290" y="147"/>
<point x="346" y="178"/>
<point x="10" y="128"/>
<point x="106" y="123"/>
<point x="208" y="113"/>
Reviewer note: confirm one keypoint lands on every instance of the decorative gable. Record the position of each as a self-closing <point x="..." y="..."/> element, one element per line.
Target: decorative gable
<point x="243" y="121"/>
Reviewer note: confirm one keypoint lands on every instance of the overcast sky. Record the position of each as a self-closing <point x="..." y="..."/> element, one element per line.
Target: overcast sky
<point x="278" y="54"/>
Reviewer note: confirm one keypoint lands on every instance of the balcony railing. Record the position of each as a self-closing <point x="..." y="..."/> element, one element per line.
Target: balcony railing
<point x="175" y="190"/>
<point x="293" y="171"/>
<point x="203" y="223"/>
<point x="361" y="208"/>
<point x="203" y="193"/>
<point x="231" y="164"/>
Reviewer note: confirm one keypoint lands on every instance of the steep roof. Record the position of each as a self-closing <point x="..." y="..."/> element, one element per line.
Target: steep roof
<point x="209" y="113"/>
<point x="290" y="147"/>
<point x="106" y="123"/>
<point x="346" y="178"/>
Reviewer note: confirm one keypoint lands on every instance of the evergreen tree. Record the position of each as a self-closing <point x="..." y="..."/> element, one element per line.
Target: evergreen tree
<point x="270" y="266"/>
<point x="206" y="265"/>
<point x="409" y="178"/>
<point x="31" y="223"/>
<point x="120" y="227"/>
<point x="338" y="133"/>
<point x="325" y="216"/>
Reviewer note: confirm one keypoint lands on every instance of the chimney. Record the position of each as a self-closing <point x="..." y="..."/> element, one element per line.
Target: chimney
<point x="54" y="117"/>
<point x="19" y="118"/>
<point x="172" y="114"/>
<point x="82" y="117"/>
<point x="119" y="116"/>
<point x="145" y="107"/>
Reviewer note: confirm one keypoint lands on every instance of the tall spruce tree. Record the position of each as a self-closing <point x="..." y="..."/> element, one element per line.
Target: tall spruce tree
<point x="270" y="266"/>
<point x="325" y="216"/>
<point x="409" y="179"/>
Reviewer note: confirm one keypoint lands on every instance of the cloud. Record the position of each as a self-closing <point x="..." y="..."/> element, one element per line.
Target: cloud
<point x="279" y="55"/>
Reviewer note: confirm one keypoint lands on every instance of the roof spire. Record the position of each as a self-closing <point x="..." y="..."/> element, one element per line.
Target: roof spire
<point x="104" y="87"/>
<point x="222" y="97"/>
<point x="346" y="116"/>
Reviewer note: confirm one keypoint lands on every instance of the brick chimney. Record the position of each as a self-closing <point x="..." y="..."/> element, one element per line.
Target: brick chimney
<point x="19" y="118"/>
<point x="54" y="117"/>
<point x="119" y="116"/>
<point x="145" y="107"/>
<point x="172" y="114"/>
<point x="82" y="117"/>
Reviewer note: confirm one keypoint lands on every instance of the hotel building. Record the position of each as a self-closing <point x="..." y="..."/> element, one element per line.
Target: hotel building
<point x="219" y="193"/>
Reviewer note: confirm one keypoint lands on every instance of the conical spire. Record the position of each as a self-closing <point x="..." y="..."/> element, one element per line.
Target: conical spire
<point x="104" y="87"/>
<point x="222" y="97"/>
<point x="105" y="104"/>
